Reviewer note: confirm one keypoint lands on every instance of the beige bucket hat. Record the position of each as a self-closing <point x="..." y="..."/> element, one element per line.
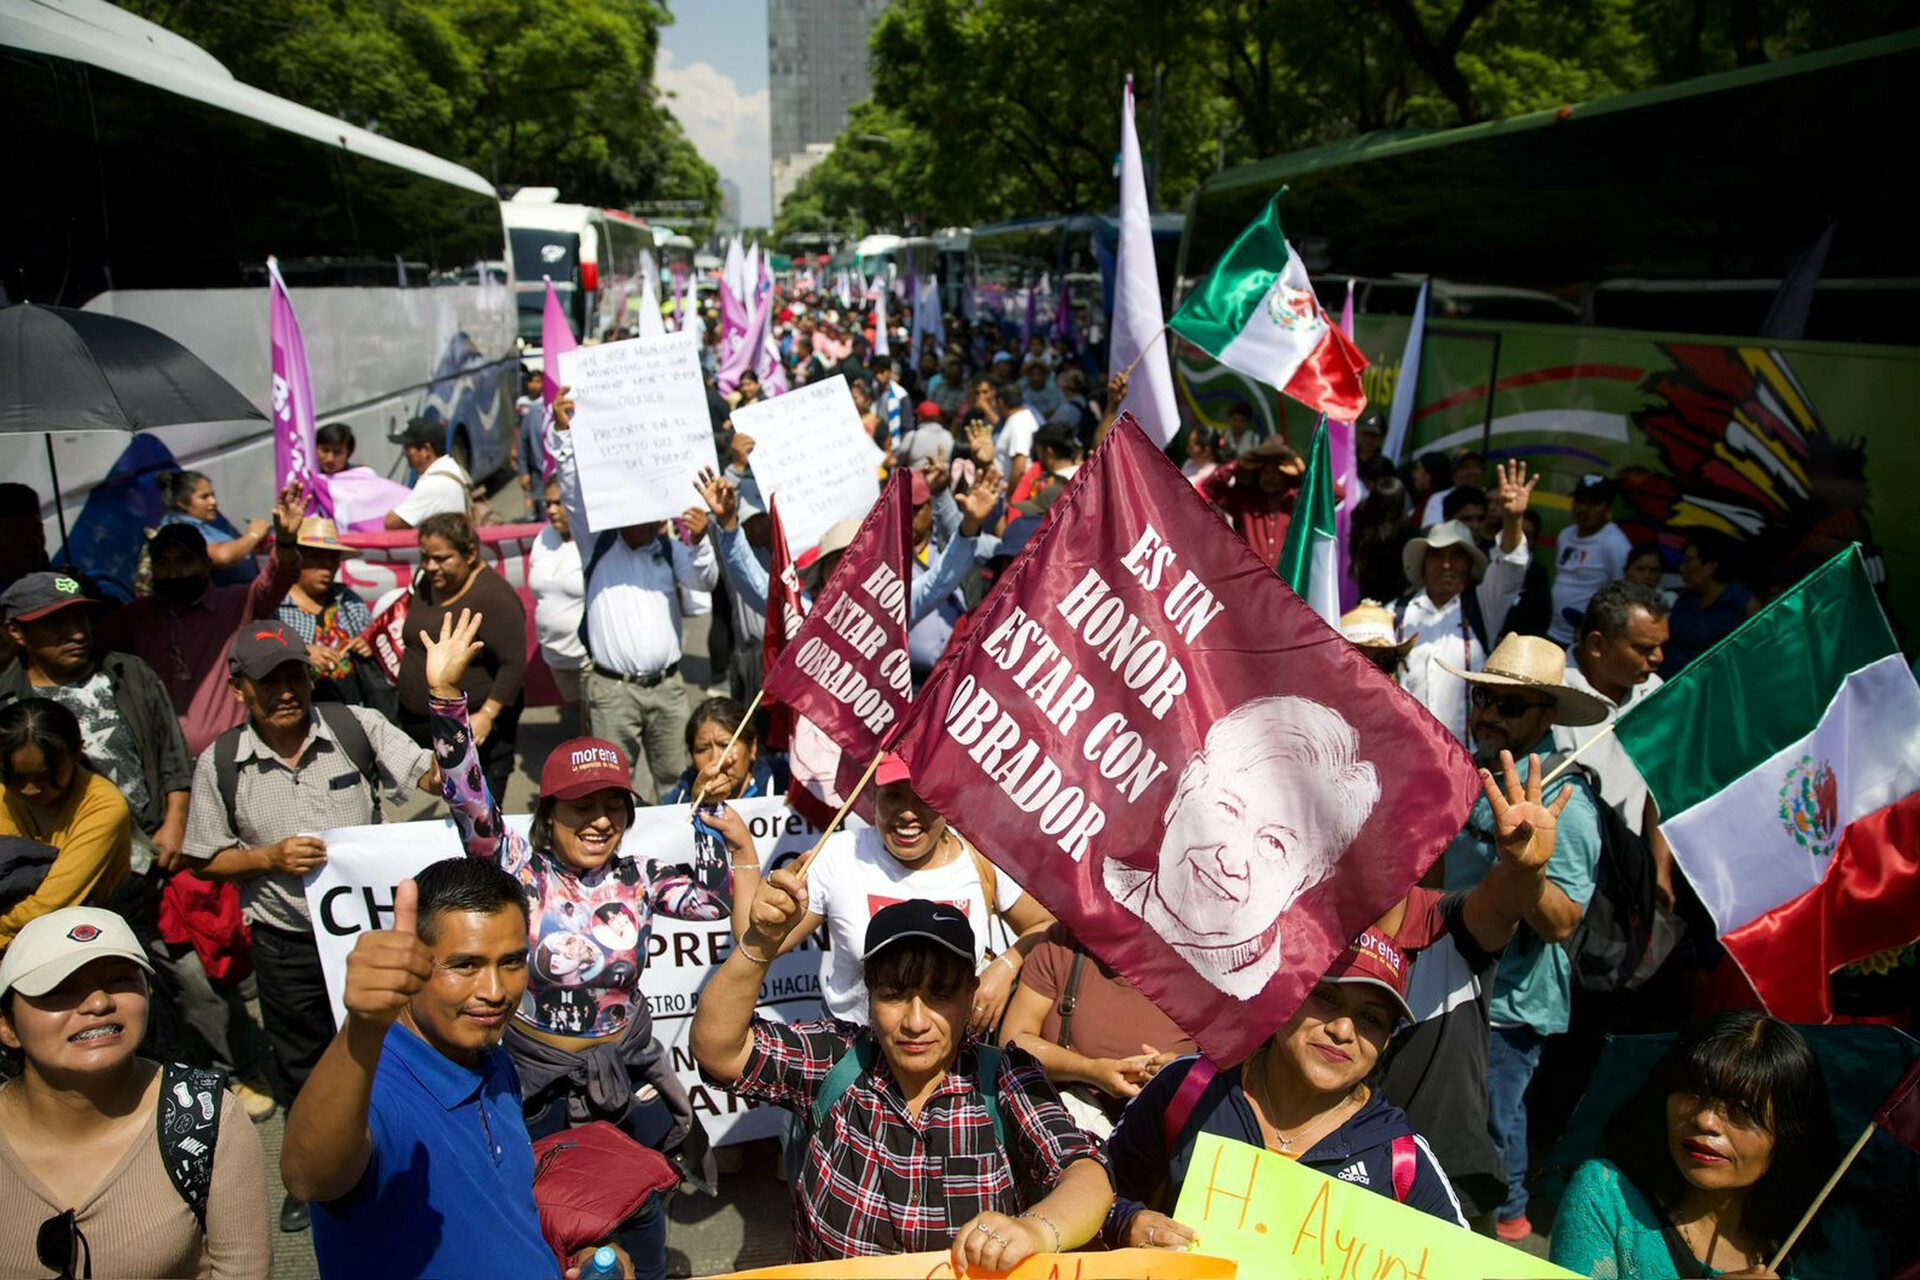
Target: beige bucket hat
<point x="1448" y="533"/>
<point x="1539" y="665"/>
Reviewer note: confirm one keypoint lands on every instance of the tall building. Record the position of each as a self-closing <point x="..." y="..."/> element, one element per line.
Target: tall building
<point x="816" y="69"/>
<point x="729" y="206"/>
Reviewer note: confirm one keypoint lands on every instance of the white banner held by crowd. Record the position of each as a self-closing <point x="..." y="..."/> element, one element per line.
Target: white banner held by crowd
<point x="354" y="891"/>
<point x="641" y="431"/>
<point x="811" y="451"/>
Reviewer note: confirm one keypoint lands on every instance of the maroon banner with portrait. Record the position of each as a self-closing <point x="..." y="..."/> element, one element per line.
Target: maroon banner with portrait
<point x="1174" y="753"/>
<point x="846" y="668"/>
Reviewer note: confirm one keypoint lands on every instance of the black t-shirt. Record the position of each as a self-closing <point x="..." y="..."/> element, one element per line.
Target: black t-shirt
<point x="1437" y="1068"/>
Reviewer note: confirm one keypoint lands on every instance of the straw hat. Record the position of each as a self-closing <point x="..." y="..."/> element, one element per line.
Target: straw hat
<point x="322" y="534"/>
<point x="1448" y="533"/>
<point x="1370" y="626"/>
<point x="1539" y="665"/>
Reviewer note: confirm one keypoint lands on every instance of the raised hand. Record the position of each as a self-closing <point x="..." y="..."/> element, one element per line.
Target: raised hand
<point x="938" y="475"/>
<point x="1523" y="827"/>
<point x="722" y="499"/>
<point x="388" y="966"/>
<point x="696" y="521"/>
<point x="779" y="904"/>
<point x="980" y="443"/>
<point x="287" y="515"/>
<point x="562" y="409"/>
<point x="1513" y="488"/>
<point x="741" y="450"/>
<point x="448" y="656"/>
<point x="979" y="501"/>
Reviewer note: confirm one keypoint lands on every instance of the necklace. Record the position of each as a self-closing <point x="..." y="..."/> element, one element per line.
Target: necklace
<point x="1255" y="1073"/>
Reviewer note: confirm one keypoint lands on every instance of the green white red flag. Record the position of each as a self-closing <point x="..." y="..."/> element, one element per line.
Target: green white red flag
<point x="1310" y="557"/>
<point x="1786" y="765"/>
<point x="1257" y="314"/>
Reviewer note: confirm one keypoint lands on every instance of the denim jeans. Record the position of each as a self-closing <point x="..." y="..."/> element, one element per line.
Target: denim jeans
<point x="1512" y="1055"/>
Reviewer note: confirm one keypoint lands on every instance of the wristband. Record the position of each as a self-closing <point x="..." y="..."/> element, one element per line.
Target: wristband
<point x="1011" y="968"/>
<point x="1046" y="1222"/>
<point x="742" y="948"/>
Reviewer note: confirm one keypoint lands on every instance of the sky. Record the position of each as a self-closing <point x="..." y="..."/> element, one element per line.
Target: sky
<point x="713" y="60"/>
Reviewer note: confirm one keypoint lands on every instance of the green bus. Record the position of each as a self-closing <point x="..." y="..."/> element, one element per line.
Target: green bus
<point x="1709" y="290"/>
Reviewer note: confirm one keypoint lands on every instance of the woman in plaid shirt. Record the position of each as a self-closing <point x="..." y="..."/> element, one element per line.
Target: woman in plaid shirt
<point x="919" y="1136"/>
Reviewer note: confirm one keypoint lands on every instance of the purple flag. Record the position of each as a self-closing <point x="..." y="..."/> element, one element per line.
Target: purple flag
<point x="734" y="323"/>
<point x="746" y="352"/>
<point x="679" y="304"/>
<point x="293" y="418"/>
<point x="556" y="336"/>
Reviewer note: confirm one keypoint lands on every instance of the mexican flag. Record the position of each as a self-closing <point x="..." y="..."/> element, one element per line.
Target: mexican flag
<point x="1786" y="764"/>
<point x="1257" y="314"/>
<point x="1310" y="560"/>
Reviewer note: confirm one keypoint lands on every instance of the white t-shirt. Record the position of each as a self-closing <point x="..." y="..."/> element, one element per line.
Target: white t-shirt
<point x="854" y="876"/>
<point x="1581" y="567"/>
<point x="441" y="487"/>
<point x="1015" y="441"/>
<point x="559" y="598"/>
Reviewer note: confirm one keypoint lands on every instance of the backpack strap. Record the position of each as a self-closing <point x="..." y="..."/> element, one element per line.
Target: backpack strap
<point x="1475" y="617"/>
<point x="860" y="1057"/>
<point x="1406" y="1164"/>
<point x="188" y="1124"/>
<point x="358" y="748"/>
<point x="1185" y="1099"/>
<point x="226" y="774"/>
<point x="1070" y="998"/>
<point x="602" y="543"/>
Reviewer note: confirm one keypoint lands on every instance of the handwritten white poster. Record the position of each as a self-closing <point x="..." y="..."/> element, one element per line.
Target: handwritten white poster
<point x="353" y="892"/>
<point x="640" y="427"/>
<point x="811" y="452"/>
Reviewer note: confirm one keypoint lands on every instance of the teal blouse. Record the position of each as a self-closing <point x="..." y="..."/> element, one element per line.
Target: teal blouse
<point x="1606" y="1230"/>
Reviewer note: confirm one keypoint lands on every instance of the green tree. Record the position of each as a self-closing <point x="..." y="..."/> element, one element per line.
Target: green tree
<point x="527" y="92"/>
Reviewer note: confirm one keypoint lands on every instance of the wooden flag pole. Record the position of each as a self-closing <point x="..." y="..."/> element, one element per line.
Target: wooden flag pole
<point x="1821" y="1199"/>
<point x="738" y="729"/>
<point x="1146" y="347"/>
<point x="1573" y="755"/>
<point x="800" y="869"/>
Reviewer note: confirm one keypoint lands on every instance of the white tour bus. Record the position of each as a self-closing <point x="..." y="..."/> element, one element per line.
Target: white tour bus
<point x="146" y="182"/>
<point x="592" y="254"/>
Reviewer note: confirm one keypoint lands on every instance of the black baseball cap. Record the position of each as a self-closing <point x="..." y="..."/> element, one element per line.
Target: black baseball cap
<point x="425" y="431"/>
<point x="939" y="923"/>
<point x="1598" y="487"/>
<point x="39" y="594"/>
<point x="262" y="646"/>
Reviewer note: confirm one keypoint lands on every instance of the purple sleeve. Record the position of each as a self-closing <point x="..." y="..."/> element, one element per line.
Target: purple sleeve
<point x="483" y="834"/>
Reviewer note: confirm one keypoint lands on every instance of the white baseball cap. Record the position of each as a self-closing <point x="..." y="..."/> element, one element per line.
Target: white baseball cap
<point x="52" y="946"/>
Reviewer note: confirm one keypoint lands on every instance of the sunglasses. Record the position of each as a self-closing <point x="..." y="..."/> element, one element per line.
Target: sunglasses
<point x="59" y="1243"/>
<point x="1510" y="705"/>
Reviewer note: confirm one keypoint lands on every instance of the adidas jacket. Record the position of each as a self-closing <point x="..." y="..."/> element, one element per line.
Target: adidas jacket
<point x="1147" y="1176"/>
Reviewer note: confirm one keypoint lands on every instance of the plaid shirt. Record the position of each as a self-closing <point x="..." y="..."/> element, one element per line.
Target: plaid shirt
<point x="879" y="1181"/>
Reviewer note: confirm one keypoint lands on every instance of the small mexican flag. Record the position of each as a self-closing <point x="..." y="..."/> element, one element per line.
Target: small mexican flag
<point x="1786" y="764"/>
<point x="1310" y="560"/>
<point x="1257" y="314"/>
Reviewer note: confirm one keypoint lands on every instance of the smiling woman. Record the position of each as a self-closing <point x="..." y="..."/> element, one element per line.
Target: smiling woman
<point x="49" y="793"/>
<point x="73" y="1003"/>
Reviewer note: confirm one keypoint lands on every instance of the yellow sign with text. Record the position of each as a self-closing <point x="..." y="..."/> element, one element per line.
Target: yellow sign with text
<point x="1283" y="1221"/>
<point x="1123" y="1264"/>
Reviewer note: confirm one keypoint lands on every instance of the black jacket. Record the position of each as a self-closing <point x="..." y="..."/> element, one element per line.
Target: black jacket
<point x="143" y="703"/>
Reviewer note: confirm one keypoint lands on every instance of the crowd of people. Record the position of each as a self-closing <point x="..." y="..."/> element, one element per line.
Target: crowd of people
<point x="164" y="764"/>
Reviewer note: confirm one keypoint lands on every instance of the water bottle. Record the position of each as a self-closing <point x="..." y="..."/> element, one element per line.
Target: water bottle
<point x="604" y="1265"/>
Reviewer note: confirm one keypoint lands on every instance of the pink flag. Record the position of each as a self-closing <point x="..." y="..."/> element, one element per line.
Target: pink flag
<point x="556" y="336"/>
<point x="293" y="419"/>
<point x="1346" y="476"/>
<point x="679" y="304"/>
<point x="733" y="323"/>
<point x="1214" y="800"/>
<point x="747" y="352"/>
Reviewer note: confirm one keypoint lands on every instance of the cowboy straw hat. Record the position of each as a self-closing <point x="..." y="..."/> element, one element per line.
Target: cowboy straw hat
<point x="1369" y="625"/>
<point x="1536" y="663"/>
<point x="1448" y="533"/>
<point x="323" y="535"/>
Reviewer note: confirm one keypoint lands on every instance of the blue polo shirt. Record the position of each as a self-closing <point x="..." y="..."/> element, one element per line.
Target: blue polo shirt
<point x="448" y="1190"/>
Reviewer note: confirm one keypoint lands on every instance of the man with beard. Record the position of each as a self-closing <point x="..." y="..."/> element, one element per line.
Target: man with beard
<point x="1517" y="700"/>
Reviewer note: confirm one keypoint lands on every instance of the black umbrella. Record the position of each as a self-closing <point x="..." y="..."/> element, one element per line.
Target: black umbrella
<point x="68" y="370"/>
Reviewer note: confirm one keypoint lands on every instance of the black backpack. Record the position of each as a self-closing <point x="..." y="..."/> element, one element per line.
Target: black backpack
<point x="1611" y="939"/>
<point x="188" y="1121"/>
<point x="347" y="731"/>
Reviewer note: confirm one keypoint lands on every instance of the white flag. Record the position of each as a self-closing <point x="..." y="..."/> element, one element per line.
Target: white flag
<point x="1137" y="319"/>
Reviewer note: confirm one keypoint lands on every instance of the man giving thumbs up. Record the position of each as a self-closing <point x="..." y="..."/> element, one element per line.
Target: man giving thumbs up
<point x="408" y="1135"/>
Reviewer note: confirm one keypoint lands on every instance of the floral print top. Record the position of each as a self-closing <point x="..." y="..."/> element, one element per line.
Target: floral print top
<point x="587" y="931"/>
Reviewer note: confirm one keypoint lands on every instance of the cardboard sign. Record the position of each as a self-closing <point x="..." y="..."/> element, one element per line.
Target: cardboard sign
<point x="353" y="892"/>
<point x="811" y="451"/>
<point x="1281" y="1220"/>
<point x="641" y="431"/>
<point x="1122" y="1264"/>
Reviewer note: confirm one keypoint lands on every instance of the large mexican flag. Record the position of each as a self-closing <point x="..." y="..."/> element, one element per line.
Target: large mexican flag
<point x="1257" y="313"/>
<point x="1786" y="764"/>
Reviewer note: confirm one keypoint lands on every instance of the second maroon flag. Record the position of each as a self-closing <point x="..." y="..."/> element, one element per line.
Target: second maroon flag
<point x="1208" y="785"/>
<point x="845" y="672"/>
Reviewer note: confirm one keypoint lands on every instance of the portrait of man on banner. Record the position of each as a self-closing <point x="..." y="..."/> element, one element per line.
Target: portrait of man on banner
<point x="1259" y="816"/>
